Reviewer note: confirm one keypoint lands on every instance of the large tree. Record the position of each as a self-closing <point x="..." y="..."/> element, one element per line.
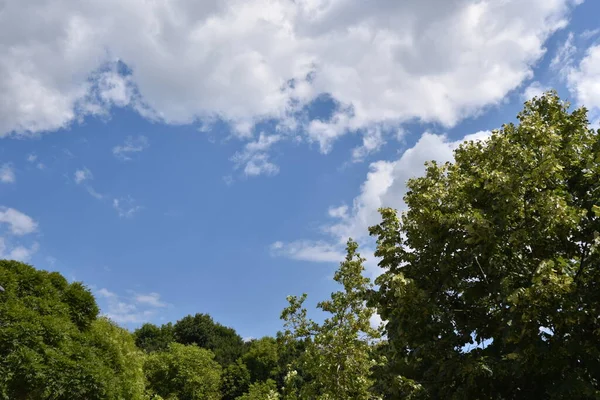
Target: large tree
<point x="202" y="330"/>
<point x="183" y="373"/>
<point x="150" y="337"/>
<point x="262" y="359"/>
<point x="491" y="286"/>
<point x="53" y="346"/>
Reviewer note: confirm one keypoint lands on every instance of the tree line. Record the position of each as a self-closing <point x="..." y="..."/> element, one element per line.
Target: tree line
<point x="490" y="289"/>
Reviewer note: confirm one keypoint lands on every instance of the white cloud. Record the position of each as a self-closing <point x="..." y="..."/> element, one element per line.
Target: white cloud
<point x="94" y="193"/>
<point x="584" y="80"/>
<point x="126" y="207"/>
<point x="563" y="59"/>
<point x="32" y="158"/>
<point x="589" y="33"/>
<point x="385" y="184"/>
<point x="18" y="253"/>
<point x="255" y="159"/>
<point x="383" y="63"/>
<point x="19" y="223"/>
<point x="338" y="212"/>
<point x="137" y="308"/>
<point x="7" y="174"/>
<point x="151" y="299"/>
<point x="305" y="250"/>
<point x="82" y="175"/>
<point x="131" y="145"/>
<point x="535" y="89"/>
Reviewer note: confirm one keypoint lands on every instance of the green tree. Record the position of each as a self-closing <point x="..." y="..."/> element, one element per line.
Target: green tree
<point x="262" y="359"/>
<point x="53" y="346"/>
<point x="235" y="380"/>
<point x="150" y="337"/>
<point x="200" y="329"/>
<point x="492" y="276"/>
<point x="338" y="358"/>
<point x="183" y="373"/>
<point x="261" y="391"/>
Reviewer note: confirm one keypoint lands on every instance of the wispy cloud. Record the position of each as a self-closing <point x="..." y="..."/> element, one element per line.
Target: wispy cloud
<point x="126" y="207"/>
<point x="563" y="59"/>
<point x="82" y="175"/>
<point x="7" y="174"/>
<point x="32" y="158"/>
<point x="129" y="309"/>
<point x="306" y="250"/>
<point x="151" y="299"/>
<point x="131" y="145"/>
<point x="254" y="159"/>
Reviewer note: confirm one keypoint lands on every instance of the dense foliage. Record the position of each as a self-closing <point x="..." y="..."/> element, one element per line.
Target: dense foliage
<point x="490" y="289"/>
<point x="53" y="345"/>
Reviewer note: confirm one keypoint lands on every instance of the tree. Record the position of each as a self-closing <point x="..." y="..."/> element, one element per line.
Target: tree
<point x="235" y="381"/>
<point x="150" y="337"/>
<point x="261" y="391"/>
<point x="492" y="281"/>
<point x="53" y="346"/>
<point x="201" y="330"/>
<point x="338" y="358"/>
<point x="262" y="359"/>
<point x="183" y="373"/>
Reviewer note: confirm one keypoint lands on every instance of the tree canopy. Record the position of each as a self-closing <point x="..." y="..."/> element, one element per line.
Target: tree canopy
<point x="491" y="276"/>
<point x="53" y="346"/>
<point x="200" y="329"/>
<point x="183" y="373"/>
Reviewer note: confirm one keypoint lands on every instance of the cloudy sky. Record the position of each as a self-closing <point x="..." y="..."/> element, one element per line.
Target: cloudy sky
<point x="183" y="156"/>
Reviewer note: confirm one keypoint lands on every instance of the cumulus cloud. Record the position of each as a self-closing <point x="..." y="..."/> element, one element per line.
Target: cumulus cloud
<point x="131" y="145"/>
<point x="18" y="253"/>
<point x="19" y="224"/>
<point x="7" y="174"/>
<point x="384" y="186"/>
<point x="535" y="89"/>
<point x="584" y="80"/>
<point x="129" y="309"/>
<point x="243" y="62"/>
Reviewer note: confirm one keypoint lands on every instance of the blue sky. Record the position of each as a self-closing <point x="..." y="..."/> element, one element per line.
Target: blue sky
<point x="215" y="158"/>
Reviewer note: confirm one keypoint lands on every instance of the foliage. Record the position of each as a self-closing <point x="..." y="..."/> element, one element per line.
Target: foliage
<point x="262" y="359"/>
<point x="261" y="391"/>
<point x="338" y="357"/>
<point x="492" y="281"/>
<point x="150" y="337"/>
<point x="52" y="346"/>
<point x="201" y="330"/>
<point x="235" y="381"/>
<point x="183" y="372"/>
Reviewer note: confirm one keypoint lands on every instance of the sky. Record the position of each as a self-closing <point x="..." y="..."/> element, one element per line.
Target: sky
<point x="180" y="156"/>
